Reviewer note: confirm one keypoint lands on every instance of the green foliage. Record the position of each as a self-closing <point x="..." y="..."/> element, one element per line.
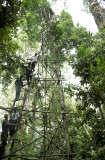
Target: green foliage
<point x="89" y="64"/>
<point x="57" y="36"/>
<point x="9" y="13"/>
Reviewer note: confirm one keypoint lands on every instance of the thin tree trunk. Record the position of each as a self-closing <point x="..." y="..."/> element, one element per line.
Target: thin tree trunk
<point x="64" y="119"/>
<point x="101" y="112"/>
<point x="60" y="89"/>
<point x="25" y="105"/>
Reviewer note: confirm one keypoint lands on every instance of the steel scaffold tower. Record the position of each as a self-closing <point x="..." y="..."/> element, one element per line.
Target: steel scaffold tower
<point x="45" y="112"/>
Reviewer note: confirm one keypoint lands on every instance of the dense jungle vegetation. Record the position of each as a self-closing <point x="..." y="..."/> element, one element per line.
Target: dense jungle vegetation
<point x="52" y="126"/>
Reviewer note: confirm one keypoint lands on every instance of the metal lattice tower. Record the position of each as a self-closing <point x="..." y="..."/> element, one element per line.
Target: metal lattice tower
<point x="43" y="116"/>
<point x="43" y="121"/>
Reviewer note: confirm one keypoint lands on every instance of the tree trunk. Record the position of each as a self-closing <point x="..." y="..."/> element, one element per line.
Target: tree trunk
<point x="25" y="105"/>
<point x="64" y="119"/>
<point x="61" y="96"/>
<point x="98" y="13"/>
<point x="101" y="112"/>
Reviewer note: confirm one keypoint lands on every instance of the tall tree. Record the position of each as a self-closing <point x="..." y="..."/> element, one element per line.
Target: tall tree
<point x="97" y="11"/>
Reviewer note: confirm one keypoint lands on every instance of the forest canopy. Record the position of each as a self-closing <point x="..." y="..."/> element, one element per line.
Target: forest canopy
<point x="51" y="125"/>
